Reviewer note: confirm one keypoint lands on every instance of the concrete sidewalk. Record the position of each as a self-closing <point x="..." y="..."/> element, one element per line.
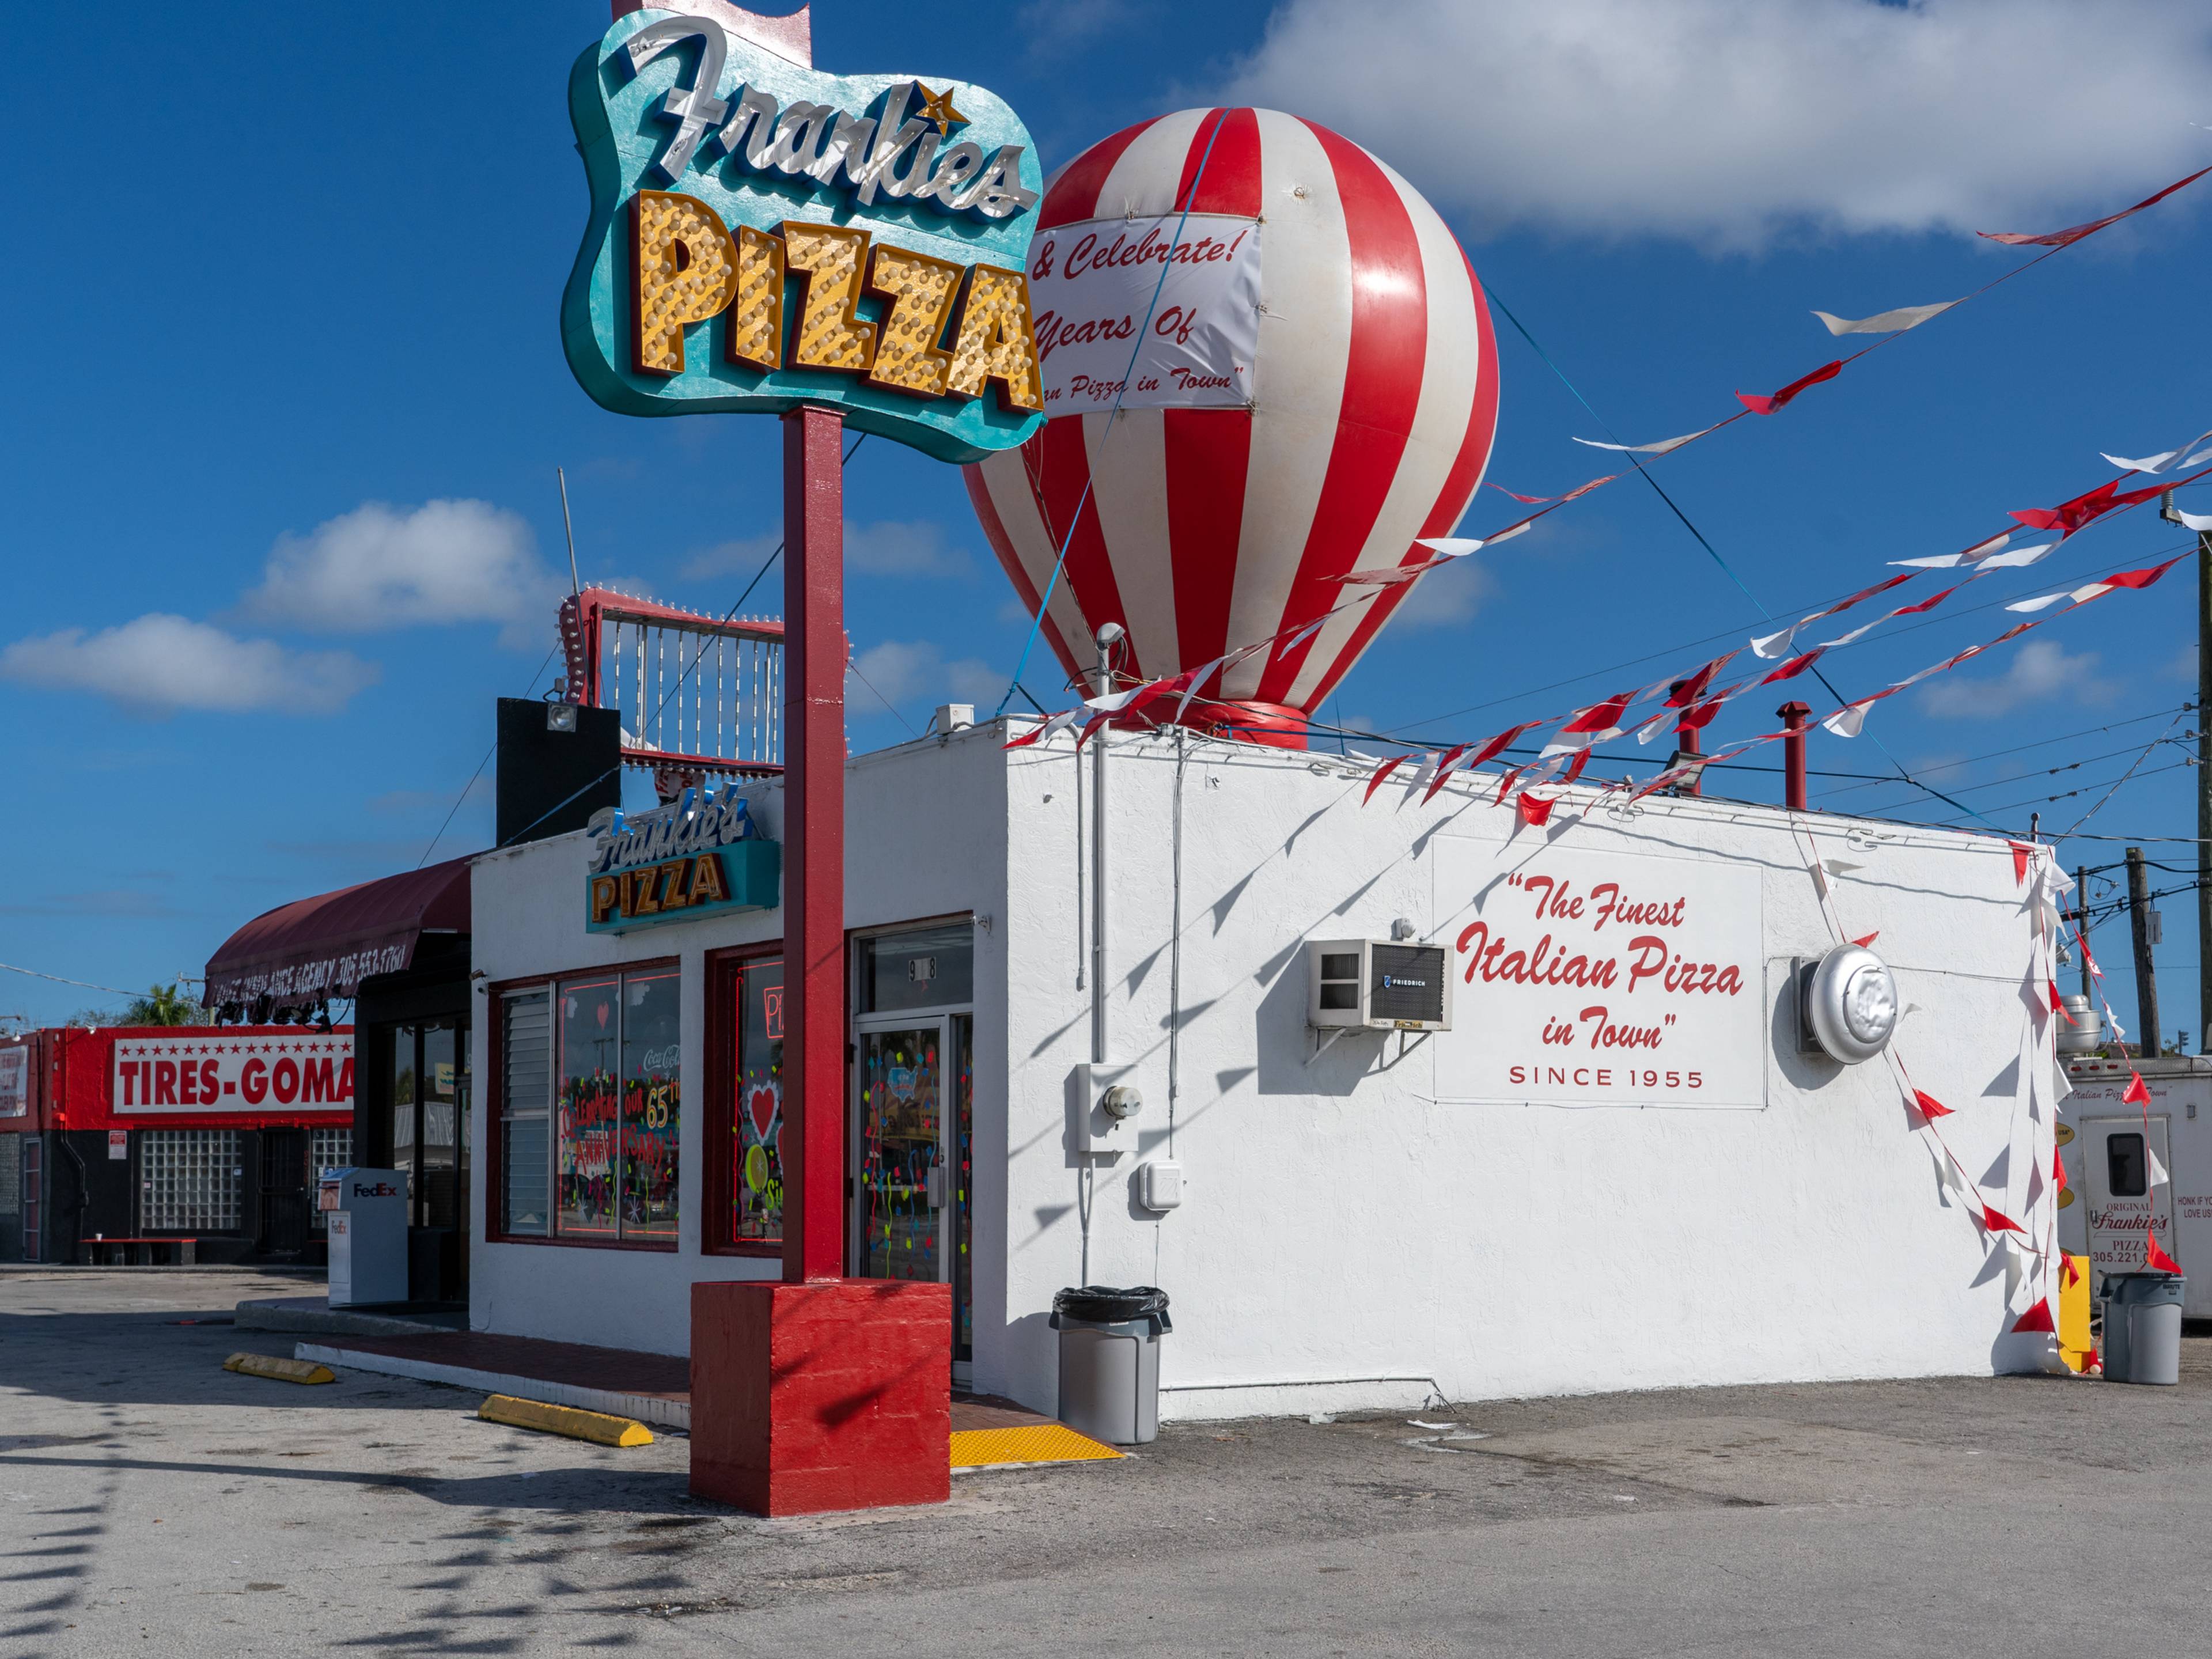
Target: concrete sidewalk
<point x="151" y="1502"/>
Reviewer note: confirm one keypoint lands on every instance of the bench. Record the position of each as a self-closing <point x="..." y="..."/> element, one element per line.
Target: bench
<point x="109" y="1252"/>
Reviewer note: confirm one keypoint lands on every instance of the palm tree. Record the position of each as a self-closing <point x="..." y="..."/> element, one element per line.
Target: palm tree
<point x="164" y="1005"/>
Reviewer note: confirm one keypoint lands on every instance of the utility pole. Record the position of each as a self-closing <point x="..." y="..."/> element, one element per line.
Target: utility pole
<point x="2081" y="928"/>
<point x="2168" y="511"/>
<point x="2146" y="975"/>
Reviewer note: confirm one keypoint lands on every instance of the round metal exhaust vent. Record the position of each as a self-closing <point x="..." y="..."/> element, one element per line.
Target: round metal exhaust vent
<point x="1851" y="1004"/>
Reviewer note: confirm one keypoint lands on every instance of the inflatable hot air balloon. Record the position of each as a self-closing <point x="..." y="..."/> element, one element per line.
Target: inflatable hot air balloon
<point x="1316" y="389"/>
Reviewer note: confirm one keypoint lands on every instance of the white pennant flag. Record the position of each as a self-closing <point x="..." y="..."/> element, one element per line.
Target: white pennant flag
<point x="2018" y="559"/>
<point x="1948" y="561"/>
<point x="2199" y="522"/>
<point x="2158" y="1175"/>
<point x="2163" y="459"/>
<point x="1665" y="445"/>
<point x="1848" y="722"/>
<point x="1886" y="322"/>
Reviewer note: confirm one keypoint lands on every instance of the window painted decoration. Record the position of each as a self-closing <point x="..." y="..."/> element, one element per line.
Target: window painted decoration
<point x="764" y="235"/>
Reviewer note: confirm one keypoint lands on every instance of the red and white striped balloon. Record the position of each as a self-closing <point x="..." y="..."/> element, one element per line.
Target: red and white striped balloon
<point x="1207" y="529"/>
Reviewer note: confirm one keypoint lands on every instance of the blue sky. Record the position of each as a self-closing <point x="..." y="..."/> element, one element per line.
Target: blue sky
<point x="309" y="286"/>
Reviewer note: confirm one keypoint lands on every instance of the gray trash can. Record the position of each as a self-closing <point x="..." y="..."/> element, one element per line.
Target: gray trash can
<point x="2142" y="1328"/>
<point x="1110" y="1361"/>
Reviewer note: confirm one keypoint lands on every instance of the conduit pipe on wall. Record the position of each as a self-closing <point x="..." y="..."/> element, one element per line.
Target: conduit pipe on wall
<point x="1110" y="636"/>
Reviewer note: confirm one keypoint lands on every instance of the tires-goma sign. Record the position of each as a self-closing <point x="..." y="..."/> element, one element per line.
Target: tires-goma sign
<point x="215" y="1072"/>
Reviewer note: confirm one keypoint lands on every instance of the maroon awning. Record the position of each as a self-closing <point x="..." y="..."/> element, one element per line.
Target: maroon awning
<point x="325" y="946"/>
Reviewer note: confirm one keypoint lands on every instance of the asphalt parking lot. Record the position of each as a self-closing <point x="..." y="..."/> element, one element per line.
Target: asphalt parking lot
<point x="152" y="1502"/>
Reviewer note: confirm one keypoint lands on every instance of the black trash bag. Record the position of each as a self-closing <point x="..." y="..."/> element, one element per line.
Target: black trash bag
<point x="1105" y="1305"/>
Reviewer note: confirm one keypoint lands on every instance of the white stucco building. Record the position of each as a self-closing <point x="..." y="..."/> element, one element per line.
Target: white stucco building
<point x="1497" y="1210"/>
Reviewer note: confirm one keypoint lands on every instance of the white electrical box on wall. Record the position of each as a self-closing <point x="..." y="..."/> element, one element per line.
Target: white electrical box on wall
<point x="1380" y="984"/>
<point x="1106" y="1097"/>
<point x="1159" y="1184"/>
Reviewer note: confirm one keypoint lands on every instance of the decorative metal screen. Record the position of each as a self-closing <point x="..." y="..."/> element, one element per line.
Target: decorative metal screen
<point x="189" y="1181"/>
<point x="697" y="695"/>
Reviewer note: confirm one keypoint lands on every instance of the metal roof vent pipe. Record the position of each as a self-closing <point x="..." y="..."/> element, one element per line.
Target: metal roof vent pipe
<point x="2086" y="1033"/>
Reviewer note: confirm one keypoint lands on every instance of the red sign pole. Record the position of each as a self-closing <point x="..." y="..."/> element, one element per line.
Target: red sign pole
<point x="814" y="843"/>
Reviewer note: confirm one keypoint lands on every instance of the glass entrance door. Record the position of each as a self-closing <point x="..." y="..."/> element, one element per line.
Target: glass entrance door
<point x="900" y="1192"/>
<point x="914" y="1112"/>
<point x="912" y="1097"/>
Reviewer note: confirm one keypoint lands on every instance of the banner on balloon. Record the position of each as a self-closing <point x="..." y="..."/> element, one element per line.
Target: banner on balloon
<point x="1092" y="285"/>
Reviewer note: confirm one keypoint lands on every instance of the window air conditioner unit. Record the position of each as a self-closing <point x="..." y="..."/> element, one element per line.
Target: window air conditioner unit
<point x="1379" y="984"/>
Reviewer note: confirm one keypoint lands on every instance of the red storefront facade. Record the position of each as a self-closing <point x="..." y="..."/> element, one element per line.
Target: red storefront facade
<point x="160" y="1144"/>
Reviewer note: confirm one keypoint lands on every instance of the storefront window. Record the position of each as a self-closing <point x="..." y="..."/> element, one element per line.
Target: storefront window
<point x="603" y="1165"/>
<point x="653" y="1057"/>
<point x="921" y="968"/>
<point x="756" y="1129"/>
<point x="591" y="1033"/>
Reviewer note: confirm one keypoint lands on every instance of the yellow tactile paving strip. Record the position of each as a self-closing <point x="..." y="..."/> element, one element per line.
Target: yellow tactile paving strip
<point x="1046" y="1443"/>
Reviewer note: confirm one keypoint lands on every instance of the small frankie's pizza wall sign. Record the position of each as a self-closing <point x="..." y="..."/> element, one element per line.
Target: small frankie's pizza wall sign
<point x="699" y="856"/>
<point x="1593" y="977"/>
<point x="764" y="235"/>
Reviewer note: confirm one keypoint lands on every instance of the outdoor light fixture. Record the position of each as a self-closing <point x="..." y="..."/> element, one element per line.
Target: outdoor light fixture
<point x="559" y="717"/>
<point x="1850" y="1003"/>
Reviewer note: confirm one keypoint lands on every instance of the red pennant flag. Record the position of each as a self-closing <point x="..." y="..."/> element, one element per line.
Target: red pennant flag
<point x="1998" y="1222"/>
<point x="2073" y="1273"/>
<point x="1767" y="405"/>
<point x="1687" y="692"/>
<point x="2143" y="577"/>
<point x="1444" y="769"/>
<point x="2057" y="1171"/>
<point x="2156" y="1260"/>
<point x="1575" y="768"/>
<point x="1868" y="942"/>
<point x="1925" y="604"/>
<point x="1534" y="812"/>
<point x="2037" y="1318"/>
<point x="2068" y="517"/>
<point x="1496" y="746"/>
<point x="2074" y="234"/>
<point x="2057" y="1006"/>
<point x="1929" y="1106"/>
<point x="2021" y="852"/>
<point x="1381" y="773"/>
<point x="1599" y="716"/>
<point x="1794" y="667"/>
<point x="2135" y="1094"/>
<point x="1697" y="719"/>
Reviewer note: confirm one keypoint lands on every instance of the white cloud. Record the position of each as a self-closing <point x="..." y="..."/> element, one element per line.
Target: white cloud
<point x="746" y="553"/>
<point x="1445" y="598"/>
<point x="916" y="671"/>
<point x="917" y="547"/>
<point x="1728" y="122"/>
<point x="1059" y="28"/>
<point x="2039" y="671"/>
<point x="382" y="567"/>
<point x="161" y="663"/>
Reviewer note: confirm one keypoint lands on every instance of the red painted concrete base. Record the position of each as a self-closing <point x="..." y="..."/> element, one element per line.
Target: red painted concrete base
<point x="832" y="1395"/>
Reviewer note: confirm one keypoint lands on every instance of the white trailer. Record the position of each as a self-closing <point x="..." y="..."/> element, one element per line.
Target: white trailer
<point x="2115" y="1153"/>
